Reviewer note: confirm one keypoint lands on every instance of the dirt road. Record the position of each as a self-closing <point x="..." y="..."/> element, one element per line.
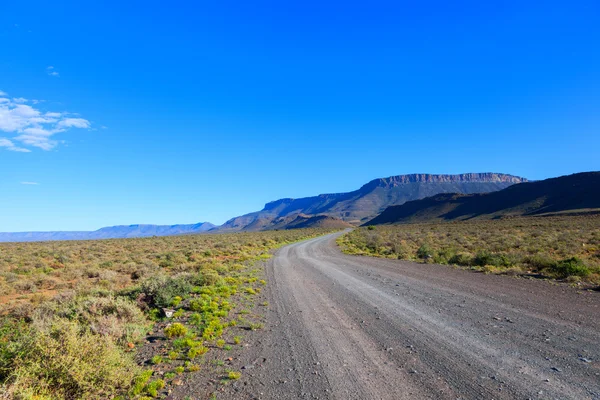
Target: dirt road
<point x="346" y="327"/>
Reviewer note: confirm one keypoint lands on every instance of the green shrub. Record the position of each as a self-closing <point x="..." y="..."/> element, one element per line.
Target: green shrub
<point x="234" y="375"/>
<point x="461" y="259"/>
<point x="157" y="359"/>
<point x="196" y="351"/>
<point x="424" y="252"/>
<point x="100" y="311"/>
<point x="176" y="330"/>
<point x="66" y="361"/>
<point x="170" y="375"/>
<point x="153" y="387"/>
<point x="161" y="290"/>
<point x="483" y="258"/>
<point x="540" y="262"/>
<point x="443" y="256"/>
<point x="176" y="300"/>
<point x="570" y="267"/>
<point x="140" y="381"/>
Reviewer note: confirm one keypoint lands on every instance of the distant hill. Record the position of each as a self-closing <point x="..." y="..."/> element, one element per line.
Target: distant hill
<point x="111" y="232"/>
<point x="572" y="193"/>
<point x="371" y="199"/>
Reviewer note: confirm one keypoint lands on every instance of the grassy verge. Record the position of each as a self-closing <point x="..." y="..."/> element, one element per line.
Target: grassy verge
<point x="88" y="319"/>
<point x="566" y="248"/>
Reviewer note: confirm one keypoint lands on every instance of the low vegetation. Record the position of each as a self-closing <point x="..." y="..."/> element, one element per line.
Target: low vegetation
<point x="555" y="247"/>
<point x="77" y="315"/>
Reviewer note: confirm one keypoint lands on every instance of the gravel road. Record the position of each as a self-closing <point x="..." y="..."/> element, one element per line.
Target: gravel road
<point x="347" y="327"/>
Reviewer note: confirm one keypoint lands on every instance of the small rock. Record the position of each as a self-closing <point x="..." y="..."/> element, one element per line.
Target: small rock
<point x="585" y="360"/>
<point x="556" y="369"/>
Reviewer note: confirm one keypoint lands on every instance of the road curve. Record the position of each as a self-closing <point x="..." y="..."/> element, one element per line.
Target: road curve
<point x="347" y="327"/>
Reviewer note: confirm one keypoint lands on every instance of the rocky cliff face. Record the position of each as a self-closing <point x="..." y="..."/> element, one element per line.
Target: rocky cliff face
<point x="486" y="177"/>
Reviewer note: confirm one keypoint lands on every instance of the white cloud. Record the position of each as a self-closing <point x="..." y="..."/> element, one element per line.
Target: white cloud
<point x="29" y="183"/>
<point x="33" y="127"/>
<point x="9" y="145"/>
<point x="3" y="93"/>
<point x="51" y="71"/>
<point x="73" y="123"/>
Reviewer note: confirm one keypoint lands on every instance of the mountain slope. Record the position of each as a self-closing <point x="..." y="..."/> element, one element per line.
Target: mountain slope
<point x="371" y="198"/>
<point x="111" y="232"/>
<point x="299" y="221"/>
<point x="566" y="193"/>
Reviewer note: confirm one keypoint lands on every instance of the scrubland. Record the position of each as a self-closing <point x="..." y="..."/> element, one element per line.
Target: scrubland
<point x="88" y="319"/>
<point x="565" y="248"/>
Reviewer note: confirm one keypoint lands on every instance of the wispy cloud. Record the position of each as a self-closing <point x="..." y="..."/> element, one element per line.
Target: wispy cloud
<point x="29" y="183"/>
<point x="9" y="145"/>
<point x="52" y="71"/>
<point x="32" y="127"/>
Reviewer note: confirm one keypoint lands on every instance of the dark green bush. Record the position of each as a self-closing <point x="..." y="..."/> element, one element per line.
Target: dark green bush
<point x="461" y="259"/>
<point x="570" y="267"/>
<point x="443" y="256"/>
<point x="424" y="252"/>
<point x="483" y="258"/>
<point x="160" y="290"/>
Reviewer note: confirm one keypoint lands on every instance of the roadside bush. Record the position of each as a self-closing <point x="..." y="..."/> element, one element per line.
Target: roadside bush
<point x="483" y="258"/>
<point x="424" y="252"/>
<point x="570" y="267"/>
<point x="68" y="362"/>
<point x="400" y="250"/>
<point x="100" y="311"/>
<point x="373" y="241"/>
<point x="160" y="290"/>
<point x="443" y="256"/>
<point x="176" y="330"/>
<point x="539" y="262"/>
<point x="463" y="259"/>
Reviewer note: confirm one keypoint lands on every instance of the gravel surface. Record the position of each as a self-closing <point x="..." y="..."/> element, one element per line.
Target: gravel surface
<point x="347" y="327"/>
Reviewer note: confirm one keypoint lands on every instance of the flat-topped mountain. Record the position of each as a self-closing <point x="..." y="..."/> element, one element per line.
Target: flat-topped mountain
<point x="372" y="198"/>
<point x="110" y="232"/>
<point x="572" y="193"/>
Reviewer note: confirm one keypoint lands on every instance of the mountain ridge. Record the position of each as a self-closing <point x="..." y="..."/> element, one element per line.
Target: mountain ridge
<point x="371" y="198"/>
<point x="108" y="232"/>
<point x="554" y="195"/>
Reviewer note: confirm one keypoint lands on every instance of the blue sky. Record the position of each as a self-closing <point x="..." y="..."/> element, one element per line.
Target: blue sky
<point x="179" y="112"/>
